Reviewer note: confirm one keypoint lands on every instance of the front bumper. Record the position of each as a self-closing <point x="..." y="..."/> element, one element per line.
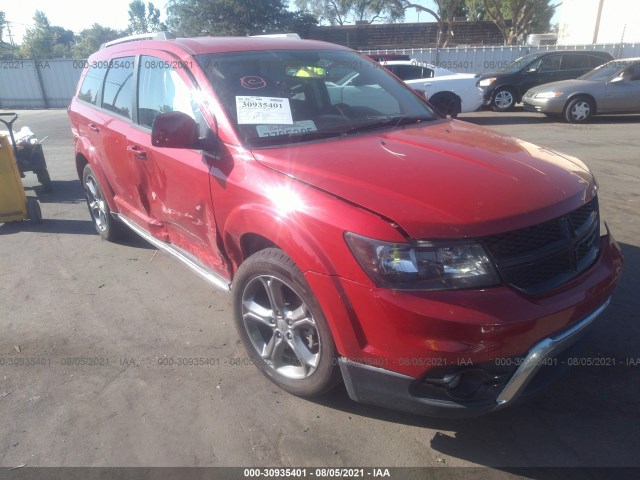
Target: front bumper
<point x="407" y="350"/>
<point x="377" y="386"/>
<point x="551" y="105"/>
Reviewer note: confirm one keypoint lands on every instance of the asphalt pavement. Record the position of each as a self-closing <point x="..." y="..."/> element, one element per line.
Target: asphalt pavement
<point x="89" y="329"/>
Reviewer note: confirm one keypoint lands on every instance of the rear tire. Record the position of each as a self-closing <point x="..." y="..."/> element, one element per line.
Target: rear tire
<point x="447" y="104"/>
<point x="282" y="325"/>
<point x="107" y="226"/>
<point x="579" y="110"/>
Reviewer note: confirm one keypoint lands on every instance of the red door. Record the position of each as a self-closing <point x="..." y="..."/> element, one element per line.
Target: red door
<point x="175" y="189"/>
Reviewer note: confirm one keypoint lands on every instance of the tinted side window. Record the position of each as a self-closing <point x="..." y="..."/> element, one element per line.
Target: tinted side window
<point x="596" y="61"/>
<point x="118" y="86"/>
<point x="92" y="83"/>
<point x="633" y="72"/>
<point x="575" y="62"/>
<point x="550" y="63"/>
<point x="160" y="90"/>
<point x="407" y="72"/>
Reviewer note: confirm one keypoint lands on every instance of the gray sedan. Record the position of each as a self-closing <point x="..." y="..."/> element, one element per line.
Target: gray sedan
<point x="611" y="88"/>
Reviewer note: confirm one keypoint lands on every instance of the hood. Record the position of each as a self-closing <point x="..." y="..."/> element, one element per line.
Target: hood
<point x="565" y="85"/>
<point x="449" y="179"/>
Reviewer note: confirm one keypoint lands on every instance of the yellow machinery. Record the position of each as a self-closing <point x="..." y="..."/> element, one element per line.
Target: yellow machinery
<point x="14" y="204"/>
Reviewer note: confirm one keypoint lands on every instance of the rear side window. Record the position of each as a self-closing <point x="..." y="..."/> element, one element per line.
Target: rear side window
<point x="92" y="83"/>
<point x="411" y="72"/>
<point x="160" y="90"/>
<point x="575" y="62"/>
<point x="118" y="87"/>
<point x="596" y="61"/>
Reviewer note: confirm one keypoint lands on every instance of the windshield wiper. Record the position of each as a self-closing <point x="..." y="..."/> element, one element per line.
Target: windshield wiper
<point x="386" y="121"/>
<point x="389" y="121"/>
<point x="288" y="138"/>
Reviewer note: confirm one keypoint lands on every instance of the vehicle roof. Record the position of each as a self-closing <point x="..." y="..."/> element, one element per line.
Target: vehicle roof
<point x="204" y="45"/>
<point x="417" y="63"/>
<point x="629" y="60"/>
<point x="597" y="53"/>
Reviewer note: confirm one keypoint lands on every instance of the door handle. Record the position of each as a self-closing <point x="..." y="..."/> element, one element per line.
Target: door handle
<point x="94" y="128"/>
<point x="137" y="152"/>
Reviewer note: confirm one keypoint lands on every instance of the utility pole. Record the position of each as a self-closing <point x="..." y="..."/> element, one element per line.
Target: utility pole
<point x="595" y="31"/>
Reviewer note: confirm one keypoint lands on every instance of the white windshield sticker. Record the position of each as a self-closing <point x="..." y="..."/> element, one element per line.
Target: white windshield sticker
<point x="303" y="126"/>
<point x="263" y="110"/>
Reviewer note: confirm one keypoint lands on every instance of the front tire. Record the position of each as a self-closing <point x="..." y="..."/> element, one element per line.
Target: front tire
<point x="504" y="99"/>
<point x="33" y="210"/>
<point x="579" y="110"/>
<point x="282" y="325"/>
<point x="106" y="225"/>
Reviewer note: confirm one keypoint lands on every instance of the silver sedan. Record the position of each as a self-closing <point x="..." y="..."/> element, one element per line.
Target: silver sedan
<point x="611" y="88"/>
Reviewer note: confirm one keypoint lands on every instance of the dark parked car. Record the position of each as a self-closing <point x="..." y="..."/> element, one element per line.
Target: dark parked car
<point x="502" y="90"/>
<point x="611" y="88"/>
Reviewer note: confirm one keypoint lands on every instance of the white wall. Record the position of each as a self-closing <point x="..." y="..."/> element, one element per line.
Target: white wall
<point x="577" y="19"/>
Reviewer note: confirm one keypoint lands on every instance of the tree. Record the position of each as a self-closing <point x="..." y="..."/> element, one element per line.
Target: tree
<point x="3" y="23"/>
<point x="448" y="11"/>
<point x="514" y="18"/>
<point x="38" y="41"/>
<point x="90" y="39"/>
<point x="45" y="41"/>
<point x="297" y="22"/>
<point x="447" y="6"/>
<point x="232" y="17"/>
<point x="342" y="12"/>
<point x="144" y="19"/>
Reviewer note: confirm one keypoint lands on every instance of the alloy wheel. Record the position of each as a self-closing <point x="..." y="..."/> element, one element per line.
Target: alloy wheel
<point x="281" y="327"/>
<point x="96" y="202"/>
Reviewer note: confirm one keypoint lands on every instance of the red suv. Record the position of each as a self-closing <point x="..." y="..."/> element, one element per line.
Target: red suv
<point x="431" y="265"/>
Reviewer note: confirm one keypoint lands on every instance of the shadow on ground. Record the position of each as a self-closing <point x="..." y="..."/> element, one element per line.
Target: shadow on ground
<point x="520" y="117"/>
<point x="62" y="191"/>
<point x="588" y="418"/>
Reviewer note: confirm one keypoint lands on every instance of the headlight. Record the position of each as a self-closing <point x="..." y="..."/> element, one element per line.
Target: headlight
<point x="425" y="265"/>
<point x="547" y="95"/>
<point x="485" y="82"/>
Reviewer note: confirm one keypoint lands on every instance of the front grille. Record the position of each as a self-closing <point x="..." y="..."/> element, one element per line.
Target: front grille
<point x="538" y="258"/>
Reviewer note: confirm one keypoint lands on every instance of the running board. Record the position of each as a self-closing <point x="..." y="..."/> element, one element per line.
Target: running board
<point x="205" y="272"/>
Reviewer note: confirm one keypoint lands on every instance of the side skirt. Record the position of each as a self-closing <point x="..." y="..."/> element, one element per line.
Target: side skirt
<point x="189" y="260"/>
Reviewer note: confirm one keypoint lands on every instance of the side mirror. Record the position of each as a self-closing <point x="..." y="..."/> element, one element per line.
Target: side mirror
<point x="174" y="130"/>
<point x="618" y="79"/>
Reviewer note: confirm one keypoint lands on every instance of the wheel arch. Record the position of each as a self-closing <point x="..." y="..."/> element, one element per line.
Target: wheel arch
<point x="84" y="158"/>
<point x="443" y="93"/>
<point x="508" y="86"/>
<point x="573" y="96"/>
<point x="241" y="238"/>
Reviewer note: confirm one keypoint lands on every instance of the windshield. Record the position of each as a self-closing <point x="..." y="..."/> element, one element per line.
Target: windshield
<point x="605" y="71"/>
<point x="280" y="97"/>
<point x="519" y="63"/>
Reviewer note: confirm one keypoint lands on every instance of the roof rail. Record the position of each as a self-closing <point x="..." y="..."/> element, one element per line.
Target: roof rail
<point x="278" y="35"/>
<point x="140" y="36"/>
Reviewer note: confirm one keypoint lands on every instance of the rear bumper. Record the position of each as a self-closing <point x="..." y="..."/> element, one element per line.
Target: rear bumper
<point x="377" y="386"/>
